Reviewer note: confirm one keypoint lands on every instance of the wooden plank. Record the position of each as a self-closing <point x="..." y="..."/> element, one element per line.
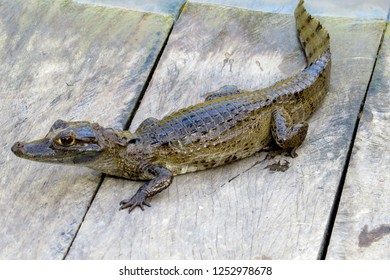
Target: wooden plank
<point x="348" y="8"/>
<point x="167" y="7"/>
<point x="362" y="226"/>
<point x="70" y="61"/>
<point x="254" y="208"/>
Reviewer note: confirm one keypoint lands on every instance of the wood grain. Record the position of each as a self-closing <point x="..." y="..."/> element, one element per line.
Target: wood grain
<point x="362" y="226"/>
<point x="69" y="61"/>
<point x="166" y="7"/>
<point x="348" y="8"/>
<point x="254" y="208"/>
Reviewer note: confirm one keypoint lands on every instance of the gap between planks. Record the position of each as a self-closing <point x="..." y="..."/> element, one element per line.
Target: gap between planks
<point x="127" y="125"/>
<point x="151" y="73"/>
<point x="147" y="82"/>
<point x="103" y="176"/>
<point x="333" y="213"/>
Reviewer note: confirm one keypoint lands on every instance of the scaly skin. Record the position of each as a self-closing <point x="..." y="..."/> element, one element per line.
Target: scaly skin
<point x="231" y="124"/>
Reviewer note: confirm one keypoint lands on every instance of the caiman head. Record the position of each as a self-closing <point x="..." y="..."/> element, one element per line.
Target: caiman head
<point x="87" y="144"/>
<point x="66" y="143"/>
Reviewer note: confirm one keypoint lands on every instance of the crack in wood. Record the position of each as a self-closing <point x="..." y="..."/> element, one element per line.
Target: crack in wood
<point x="334" y="210"/>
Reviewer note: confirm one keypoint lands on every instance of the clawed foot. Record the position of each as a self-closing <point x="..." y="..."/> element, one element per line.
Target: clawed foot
<point x="277" y="152"/>
<point x="137" y="200"/>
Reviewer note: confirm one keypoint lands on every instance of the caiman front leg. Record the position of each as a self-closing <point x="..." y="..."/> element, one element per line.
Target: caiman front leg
<point x="287" y="135"/>
<point x="163" y="178"/>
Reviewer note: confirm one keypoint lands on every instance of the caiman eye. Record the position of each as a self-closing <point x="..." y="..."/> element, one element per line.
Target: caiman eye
<point x="66" y="141"/>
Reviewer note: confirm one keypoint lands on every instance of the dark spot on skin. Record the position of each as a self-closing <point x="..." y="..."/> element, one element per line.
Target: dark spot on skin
<point x="154" y="141"/>
<point x="318" y="27"/>
<point x="366" y="238"/>
<point x="133" y="141"/>
<point x="228" y="159"/>
<point x="186" y="122"/>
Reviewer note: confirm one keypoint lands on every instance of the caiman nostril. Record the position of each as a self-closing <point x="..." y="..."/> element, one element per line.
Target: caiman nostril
<point x="16" y="147"/>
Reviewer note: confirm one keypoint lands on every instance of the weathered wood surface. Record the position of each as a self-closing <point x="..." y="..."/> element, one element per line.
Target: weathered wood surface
<point x="254" y="208"/>
<point x="168" y="7"/>
<point x="362" y="226"/>
<point x="71" y="61"/>
<point x="336" y="8"/>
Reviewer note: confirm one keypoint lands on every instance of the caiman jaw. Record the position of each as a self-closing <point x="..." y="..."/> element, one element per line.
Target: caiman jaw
<point x="37" y="150"/>
<point x="44" y="151"/>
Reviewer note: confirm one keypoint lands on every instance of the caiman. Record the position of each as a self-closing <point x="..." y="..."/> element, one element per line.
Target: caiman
<point x="230" y="124"/>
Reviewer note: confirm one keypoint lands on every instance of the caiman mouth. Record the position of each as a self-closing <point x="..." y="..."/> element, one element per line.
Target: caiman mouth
<point x="38" y="150"/>
<point x="43" y="151"/>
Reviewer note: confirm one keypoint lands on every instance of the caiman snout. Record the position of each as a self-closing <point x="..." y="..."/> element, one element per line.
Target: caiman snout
<point x="17" y="148"/>
<point x="39" y="150"/>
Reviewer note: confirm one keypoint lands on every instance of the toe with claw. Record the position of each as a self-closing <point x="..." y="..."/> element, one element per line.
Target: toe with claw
<point x="137" y="200"/>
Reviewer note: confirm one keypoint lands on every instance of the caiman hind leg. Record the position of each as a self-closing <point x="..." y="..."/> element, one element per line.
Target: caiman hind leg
<point x="287" y="135"/>
<point x="223" y="91"/>
<point x="162" y="179"/>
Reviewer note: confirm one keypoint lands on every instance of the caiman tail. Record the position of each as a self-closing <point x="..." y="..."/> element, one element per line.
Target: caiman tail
<point x="311" y="85"/>
<point x="314" y="38"/>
